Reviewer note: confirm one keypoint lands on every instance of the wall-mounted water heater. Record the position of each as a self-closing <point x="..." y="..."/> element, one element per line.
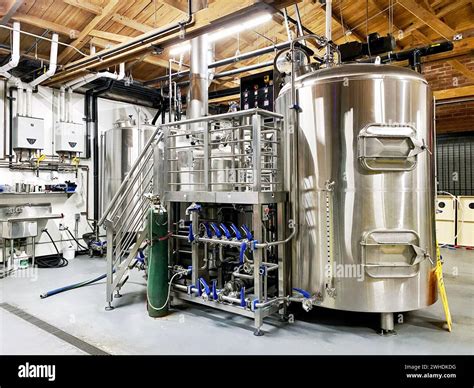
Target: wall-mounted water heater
<point x="27" y="133"/>
<point x="70" y="138"/>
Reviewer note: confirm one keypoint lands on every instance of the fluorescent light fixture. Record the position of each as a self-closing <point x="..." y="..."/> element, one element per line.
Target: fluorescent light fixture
<point x="225" y="33"/>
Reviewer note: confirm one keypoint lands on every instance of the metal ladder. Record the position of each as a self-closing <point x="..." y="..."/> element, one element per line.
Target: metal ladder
<point x="124" y="218"/>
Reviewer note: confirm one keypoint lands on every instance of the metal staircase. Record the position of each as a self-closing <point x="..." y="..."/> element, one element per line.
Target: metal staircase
<point x="124" y="218"/>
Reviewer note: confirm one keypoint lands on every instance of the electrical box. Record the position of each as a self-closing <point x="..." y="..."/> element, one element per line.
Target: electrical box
<point x="256" y="91"/>
<point x="28" y="133"/>
<point x="69" y="137"/>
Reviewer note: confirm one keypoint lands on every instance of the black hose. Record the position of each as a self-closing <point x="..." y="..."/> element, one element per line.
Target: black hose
<point x="77" y="242"/>
<point x="51" y="261"/>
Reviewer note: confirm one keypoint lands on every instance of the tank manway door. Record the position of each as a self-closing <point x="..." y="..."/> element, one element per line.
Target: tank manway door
<point x="389" y="148"/>
<point x="392" y="253"/>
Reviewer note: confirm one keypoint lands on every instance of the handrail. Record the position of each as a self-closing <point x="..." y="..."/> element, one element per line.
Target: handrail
<point x="130" y="174"/>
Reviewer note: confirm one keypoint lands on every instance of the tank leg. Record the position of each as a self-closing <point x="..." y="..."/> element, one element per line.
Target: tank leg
<point x="109" y="307"/>
<point x="387" y="324"/>
<point x="258" y="324"/>
<point x="117" y="294"/>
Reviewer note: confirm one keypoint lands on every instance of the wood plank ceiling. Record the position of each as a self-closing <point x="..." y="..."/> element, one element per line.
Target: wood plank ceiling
<point x="105" y="23"/>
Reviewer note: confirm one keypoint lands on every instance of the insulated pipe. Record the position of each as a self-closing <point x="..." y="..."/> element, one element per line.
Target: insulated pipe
<point x="62" y="104"/>
<point x="15" y="58"/>
<point x="69" y="106"/>
<point x="53" y="61"/>
<point x="78" y="82"/>
<point x="199" y="78"/>
<point x="29" y="98"/>
<point x="328" y="31"/>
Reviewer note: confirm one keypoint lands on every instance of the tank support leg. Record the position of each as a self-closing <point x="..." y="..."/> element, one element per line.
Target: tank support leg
<point x="387" y="324"/>
<point x="258" y="323"/>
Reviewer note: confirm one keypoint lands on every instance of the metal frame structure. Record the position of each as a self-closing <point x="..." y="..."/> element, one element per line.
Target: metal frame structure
<point x="177" y="164"/>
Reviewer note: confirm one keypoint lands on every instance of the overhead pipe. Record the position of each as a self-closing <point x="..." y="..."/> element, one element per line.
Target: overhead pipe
<point x="138" y="41"/>
<point x="53" y="62"/>
<point x="81" y="81"/>
<point x="227" y="61"/>
<point x="15" y="58"/>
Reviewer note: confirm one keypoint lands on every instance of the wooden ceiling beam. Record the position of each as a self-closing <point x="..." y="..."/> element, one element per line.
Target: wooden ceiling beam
<point x="86" y="6"/>
<point x="111" y="7"/>
<point x="8" y="9"/>
<point x="459" y="92"/>
<point x="45" y="24"/>
<point x="461" y="68"/>
<point x="453" y="6"/>
<point x="428" y="18"/>
<point x="127" y="22"/>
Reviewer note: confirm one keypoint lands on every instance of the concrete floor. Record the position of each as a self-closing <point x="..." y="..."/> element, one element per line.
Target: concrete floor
<point x="197" y="330"/>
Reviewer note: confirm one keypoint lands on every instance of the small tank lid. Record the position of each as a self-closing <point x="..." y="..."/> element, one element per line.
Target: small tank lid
<point x="361" y="70"/>
<point x="125" y="123"/>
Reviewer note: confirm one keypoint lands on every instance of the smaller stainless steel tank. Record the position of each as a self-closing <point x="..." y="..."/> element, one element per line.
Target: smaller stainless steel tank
<point x="121" y="146"/>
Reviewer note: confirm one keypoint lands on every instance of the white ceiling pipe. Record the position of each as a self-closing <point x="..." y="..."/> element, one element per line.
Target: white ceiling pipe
<point x="78" y="82"/>
<point x="16" y="82"/>
<point x="15" y="58"/>
<point x="62" y="104"/>
<point x="53" y="61"/>
<point x="29" y="101"/>
<point x="69" y="106"/>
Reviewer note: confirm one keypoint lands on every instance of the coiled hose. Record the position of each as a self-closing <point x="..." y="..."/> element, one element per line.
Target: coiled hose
<point x="51" y="261"/>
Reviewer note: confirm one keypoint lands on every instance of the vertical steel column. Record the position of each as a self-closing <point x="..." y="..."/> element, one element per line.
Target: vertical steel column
<point x="257" y="262"/>
<point x="195" y="249"/>
<point x="256" y="154"/>
<point x="110" y="265"/>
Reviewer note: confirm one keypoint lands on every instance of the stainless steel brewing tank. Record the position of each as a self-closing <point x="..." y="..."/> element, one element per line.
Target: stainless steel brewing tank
<point x="365" y="187"/>
<point x="121" y="146"/>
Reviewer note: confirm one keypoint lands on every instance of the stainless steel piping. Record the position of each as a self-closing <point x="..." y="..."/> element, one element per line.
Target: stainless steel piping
<point x="227" y="61"/>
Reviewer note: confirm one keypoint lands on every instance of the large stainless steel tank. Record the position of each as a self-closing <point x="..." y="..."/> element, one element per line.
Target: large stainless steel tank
<point x="121" y="146"/>
<point x="365" y="187"/>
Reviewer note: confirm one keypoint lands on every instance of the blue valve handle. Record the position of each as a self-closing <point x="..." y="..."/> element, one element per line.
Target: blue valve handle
<point x="190" y="233"/>
<point x="214" y="289"/>
<point x="243" y="248"/>
<point x="305" y="294"/>
<point x="242" y="297"/>
<point x="248" y="234"/>
<point x="216" y="229"/>
<point x="226" y="231"/>
<point x="207" y="290"/>
<point x="236" y="231"/>
<point x="208" y="230"/>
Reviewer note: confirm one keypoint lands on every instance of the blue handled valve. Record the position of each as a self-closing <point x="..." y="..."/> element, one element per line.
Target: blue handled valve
<point x="242" y="297"/>
<point x="216" y="229"/>
<point x="247" y="232"/>
<point x="307" y="302"/>
<point x="214" y="289"/>
<point x="208" y="230"/>
<point x="236" y="231"/>
<point x="226" y="231"/>
<point x="243" y="248"/>
<point x="190" y="233"/>
<point x="207" y="290"/>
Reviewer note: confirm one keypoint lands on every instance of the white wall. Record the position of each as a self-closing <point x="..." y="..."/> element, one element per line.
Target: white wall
<point x="45" y="105"/>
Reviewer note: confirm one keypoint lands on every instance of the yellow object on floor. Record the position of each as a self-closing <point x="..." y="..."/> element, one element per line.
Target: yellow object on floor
<point x="442" y="289"/>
